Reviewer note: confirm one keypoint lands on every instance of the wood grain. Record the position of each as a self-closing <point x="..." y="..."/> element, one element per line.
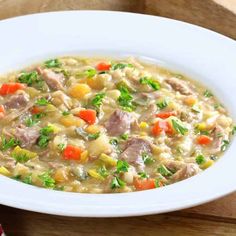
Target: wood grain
<point x="18" y="222"/>
<point x="215" y="218"/>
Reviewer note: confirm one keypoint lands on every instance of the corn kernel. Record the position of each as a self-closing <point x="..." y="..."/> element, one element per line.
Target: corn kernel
<point x="143" y="125"/>
<point x="93" y="129"/>
<point x="93" y="173"/>
<point x="56" y="128"/>
<point x="207" y="164"/>
<point x="84" y="156"/>
<point x="201" y="126"/>
<point x="79" y="90"/>
<point x="4" y="171"/>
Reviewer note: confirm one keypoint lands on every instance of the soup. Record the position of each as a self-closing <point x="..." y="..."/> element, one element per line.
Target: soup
<point x="99" y="125"/>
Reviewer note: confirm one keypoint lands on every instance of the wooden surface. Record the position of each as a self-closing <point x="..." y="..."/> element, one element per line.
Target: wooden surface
<point x="215" y="218"/>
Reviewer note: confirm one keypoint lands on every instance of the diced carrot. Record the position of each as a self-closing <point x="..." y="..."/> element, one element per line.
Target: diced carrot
<point x="87" y="115"/>
<point x="103" y="66"/>
<point x="190" y="100"/>
<point x="36" y="110"/>
<point x="2" y="111"/>
<point x="164" y="115"/>
<point x="160" y="126"/>
<point x="10" y="88"/>
<point x="72" y="153"/>
<point x="203" y="140"/>
<point x="144" y="184"/>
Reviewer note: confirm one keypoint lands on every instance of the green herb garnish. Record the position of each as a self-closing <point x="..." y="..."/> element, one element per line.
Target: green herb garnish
<point x="120" y="66"/>
<point x="29" y="78"/>
<point x="125" y="100"/>
<point x="117" y="183"/>
<point x="233" y="130"/>
<point x="103" y="171"/>
<point x="179" y="127"/>
<point x="147" y="159"/>
<point x="42" y="102"/>
<point x="207" y="94"/>
<point x="22" y="158"/>
<point x="124" y="136"/>
<point x="27" y="179"/>
<point x="162" y="104"/>
<point x="66" y="113"/>
<point x="94" y="136"/>
<point x="45" y="136"/>
<point x="196" y="109"/>
<point x="114" y="142"/>
<point x="150" y="82"/>
<point x="225" y="144"/>
<point x="52" y="63"/>
<point x="90" y="73"/>
<point x="122" y="166"/>
<point x="47" y="180"/>
<point x="143" y="175"/>
<point x="34" y="119"/>
<point x="6" y="144"/>
<point x="164" y="171"/>
<point x="200" y="159"/>
<point x="97" y="100"/>
<point x="61" y="146"/>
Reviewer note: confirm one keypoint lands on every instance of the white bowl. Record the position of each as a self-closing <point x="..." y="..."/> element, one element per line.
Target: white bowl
<point x="195" y="51"/>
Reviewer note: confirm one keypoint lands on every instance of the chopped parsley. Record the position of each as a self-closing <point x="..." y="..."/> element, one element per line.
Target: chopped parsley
<point x="233" y="130"/>
<point x="27" y="179"/>
<point x="97" y="100"/>
<point x="150" y="82"/>
<point x="162" y="104"/>
<point x="90" y="73"/>
<point x="42" y="102"/>
<point x="158" y="183"/>
<point x="94" y="136"/>
<point x="121" y="66"/>
<point x="225" y="144"/>
<point x="44" y="137"/>
<point x="61" y="146"/>
<point x="122" y="166"/>
<point x="117" y="183"/>
<point x="52" y="63"/>
<point x="114" y="142"/>
<point x="143" y="175"/>
<point x="66" y="113"/>
<point x="29" y="78"/>
<point x="34" y="119"/>
<point x="6" y="144"/>
<point x="147" y="159"/>
<point x="207" y="94"/>
<point x="47" y="180"/>
<point x="124" y="136"/>
<point x="125" y="100"/>
<point x="164" y="171"/>
<point x="200" y="159"/>
<point x="103" y="171"/>
<point x="21" y="158"/>
<point x="179" y="127"/>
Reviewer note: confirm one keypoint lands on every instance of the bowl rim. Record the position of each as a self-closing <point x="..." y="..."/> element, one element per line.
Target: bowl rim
<point x="25" y="197"/>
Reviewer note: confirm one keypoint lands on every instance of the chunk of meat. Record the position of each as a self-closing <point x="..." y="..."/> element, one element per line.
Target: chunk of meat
<point x="16" y="101"/>
<point x="119" y="123"/>
<point x="134" y="149"/>
<point x="182" y="170"/>
<point x="54" y="80"/>
<point x="26" y="135"/>
<point x="179" y="85"/>
<point x="59" y="97"/>
<point x="149" y="113"/>
<point x="187" y="170"/>
<point x="218" y="135"/>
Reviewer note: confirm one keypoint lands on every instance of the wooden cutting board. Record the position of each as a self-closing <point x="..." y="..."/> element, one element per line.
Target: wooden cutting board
<point x="215" y="218"/>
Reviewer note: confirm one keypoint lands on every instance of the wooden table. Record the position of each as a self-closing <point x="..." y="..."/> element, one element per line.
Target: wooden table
<point x="215" y="218"/>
